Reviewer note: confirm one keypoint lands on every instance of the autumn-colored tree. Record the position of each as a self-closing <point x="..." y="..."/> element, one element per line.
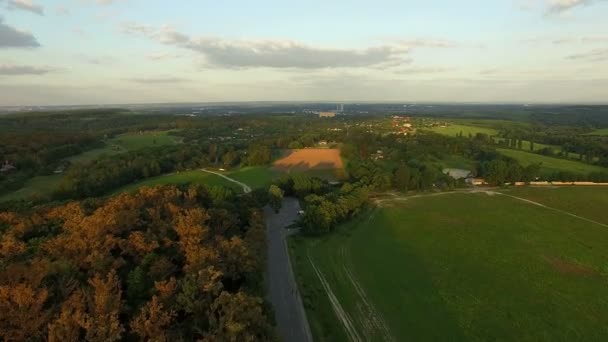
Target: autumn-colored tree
<point x="22" y="313"/>
<point x="152" y="321"/>
<point x="102" y="323"/>
<point x="238" y="318"/>
<point x="276" y="197"/>
<point x="68" y="327"/>
<point x="189" y="225"/>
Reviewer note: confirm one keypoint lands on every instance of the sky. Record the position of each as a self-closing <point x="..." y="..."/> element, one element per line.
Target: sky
<point x="76" y="52"/>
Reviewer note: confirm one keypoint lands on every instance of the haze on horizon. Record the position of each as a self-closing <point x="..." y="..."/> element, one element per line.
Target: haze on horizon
<point x="59" y="52"/>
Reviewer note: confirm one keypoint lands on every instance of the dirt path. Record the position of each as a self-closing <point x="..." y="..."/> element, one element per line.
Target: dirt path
<point x="338" y="309"/>
<point x="246" y="188"/>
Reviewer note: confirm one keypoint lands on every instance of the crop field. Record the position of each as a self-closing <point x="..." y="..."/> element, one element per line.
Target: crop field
<point x="550" y="164"/>
<point x="310" y="159"/>
<point x="455" y="129"/>
<point x="127" y="142"/>
<point x="602" y="132"/>
<point x="194" y="177"/>
<point x="41" y="186"/>
<point x="492" y="267"/>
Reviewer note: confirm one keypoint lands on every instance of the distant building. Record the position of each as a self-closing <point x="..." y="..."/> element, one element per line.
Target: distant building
<point x="327" y="114"/>
<point x="475" y="181"/>
<point x="323" y="143"/>
<point x="7" y="167"/>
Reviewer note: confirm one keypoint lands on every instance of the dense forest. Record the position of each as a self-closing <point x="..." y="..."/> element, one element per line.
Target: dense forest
<point x="164" y="264"/>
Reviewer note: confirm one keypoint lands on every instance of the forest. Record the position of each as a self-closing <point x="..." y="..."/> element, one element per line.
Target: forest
<point x="163" y="264"/>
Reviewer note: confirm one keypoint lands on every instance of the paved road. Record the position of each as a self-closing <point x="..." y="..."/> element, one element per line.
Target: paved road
<point x="246" y="188"/>
<point x="284" y="295"/>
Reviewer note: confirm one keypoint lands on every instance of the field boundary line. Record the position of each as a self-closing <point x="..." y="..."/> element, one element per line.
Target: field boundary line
<point x="246" y="188"/>
<point x="554" y="209"/>
<point x="338" y="309"/>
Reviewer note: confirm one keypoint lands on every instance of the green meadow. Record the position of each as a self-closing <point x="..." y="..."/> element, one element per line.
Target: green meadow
<point x="461" y="267"/>
<point x="551" y="164"/>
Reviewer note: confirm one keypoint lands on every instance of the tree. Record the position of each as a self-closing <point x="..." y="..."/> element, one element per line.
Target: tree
<point x="22" y="313"/>
<point x="276" y="197"/>
<point x="402" y="178"/>
<point x="152" y="321"/>
<point x="238" y="318"/>
<point x="102" y="323"/>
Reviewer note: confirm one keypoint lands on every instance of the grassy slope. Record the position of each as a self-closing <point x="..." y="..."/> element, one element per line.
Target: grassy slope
<point x="473" y="272"/>
<point x="254" y="176"/>
<point x="550" y="164"/>
<point x="454" y="130"/>
<point x="602" y="132"/>
<point x="37" y="186"/>
<point x="196" y="177"/>
<point x="127" y="142"/>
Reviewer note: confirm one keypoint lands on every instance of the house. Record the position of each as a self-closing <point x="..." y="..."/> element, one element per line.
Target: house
<point x="7" y="167"/>
<point x="475" y="181"/>
<point x="323" y="143"/>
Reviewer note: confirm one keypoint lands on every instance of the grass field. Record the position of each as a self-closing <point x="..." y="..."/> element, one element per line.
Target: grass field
<point x="455" y="129"/>
<point x="601" y="132"/>
<point x="254" y="176"/>
<point x="461" y="267"/>
<point x="194" y="177"/>
<point x="127" y="142"/>
<point x="550" y="164"/>
<point x="41" y="186"/>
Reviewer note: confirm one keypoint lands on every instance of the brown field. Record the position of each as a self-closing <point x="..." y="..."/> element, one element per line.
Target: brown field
<point x="310" y="159"/>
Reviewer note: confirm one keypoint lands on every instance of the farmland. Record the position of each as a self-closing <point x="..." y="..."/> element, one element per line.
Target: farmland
<point x="600" y="132"/>
<point x="188" y="177"/>
<point x="455" y="129"/>
<point x="550" y="164"/>
<point x="412" y="270"/>
<point x="310" y="159"/>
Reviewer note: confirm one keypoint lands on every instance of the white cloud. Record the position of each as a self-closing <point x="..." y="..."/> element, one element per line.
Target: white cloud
<point x="25" y="5"/>
<point x="158" y="80"/>
<point x="20" y="70"/>
<point x="272" y="53"/>
<point x="556" y="6"/>
<point x="596" y="55"/>
<point x="11" y="37"/>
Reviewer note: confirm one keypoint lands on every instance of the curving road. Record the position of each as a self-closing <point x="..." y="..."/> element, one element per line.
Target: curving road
<point x="291" y="319"/>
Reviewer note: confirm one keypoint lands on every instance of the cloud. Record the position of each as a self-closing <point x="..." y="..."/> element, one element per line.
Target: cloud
<point x="96" y="60"/>
<point x="558" y="6"/>
<point x="429" y="43"/>
<point x="159" y="56"/>
<point x="25" y="5"/>
<point x="11" y="37"/>
<point x="20" y="70"/>
<point x="272" y="53"/>
<point x="158" y="80"/>
<point x="422" y="70"/>
<point x="596" y="55"/>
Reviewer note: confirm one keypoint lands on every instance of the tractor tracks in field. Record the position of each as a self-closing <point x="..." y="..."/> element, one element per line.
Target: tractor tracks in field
<point x="371" y="319"/>
<point x="335" y="303"/>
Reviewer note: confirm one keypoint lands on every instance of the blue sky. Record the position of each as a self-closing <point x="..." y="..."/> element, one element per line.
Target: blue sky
<point x="141" y="51"/>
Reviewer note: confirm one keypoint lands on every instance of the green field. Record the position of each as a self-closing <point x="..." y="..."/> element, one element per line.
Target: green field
<point x="455" y="129"/>
<point x="550" y="164"/>
<point x="194" y="177"/>
<point x="601" y="132"/>
<point x="127" y="142"/>
<point x="41" y="186"/>
<point x="254" y="176"/>
<point x="463" y="266"/>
